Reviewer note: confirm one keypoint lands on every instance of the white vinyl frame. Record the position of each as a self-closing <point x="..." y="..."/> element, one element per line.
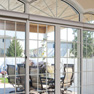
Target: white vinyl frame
<point x="14" y="16"/>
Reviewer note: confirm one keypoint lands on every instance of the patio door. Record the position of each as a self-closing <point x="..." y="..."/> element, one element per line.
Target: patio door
<point x="41" y="50"/>
<point x="70" y="60"/>
<point x="12" y="56"/>
<point x="41" y="57"/>
<point x="51" y="47"/>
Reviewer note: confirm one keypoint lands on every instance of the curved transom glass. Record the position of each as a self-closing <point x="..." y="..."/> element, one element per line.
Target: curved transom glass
<point x="49" y="8"/>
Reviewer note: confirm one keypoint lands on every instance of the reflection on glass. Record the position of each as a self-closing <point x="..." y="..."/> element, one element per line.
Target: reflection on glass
<point x="41" y="68"/>
<point x="50" y="49"/>
<point x="42" y="49"/>
<point x="1" y="47"/>
<point x="63" y="34"/>
<point x="33" y="48"/>
<point x="10" y="47"/>
<point x="20" y="35"/>
<point x="50" y="32"/>
<point x="72" y="35"/>
<point x="1" y="33"/>
<point x="64" y="50"/>
<point x="1" y="25"/>
<point x="20" y="26"/>
<point x="20" y="84"/>
<point x="20" y="30"/>
<point x="10" y="25"/>
<point x="20" y="48"/>
<point x="69" y="65"/>
<point x="33" y="31"/>
<point x="10" y="34"/>
<point x="42" y="32"/>
<point x="9" y="84"/>
<point x="88" y="37"/>
<point x="68" y="34"/>
<point x="2" y="72"/>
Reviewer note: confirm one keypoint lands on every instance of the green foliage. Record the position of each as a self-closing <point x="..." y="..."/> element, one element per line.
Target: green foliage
<point x="11" y="49"/>
<point x="2" y="80"/>
<point x="87" y="44"/>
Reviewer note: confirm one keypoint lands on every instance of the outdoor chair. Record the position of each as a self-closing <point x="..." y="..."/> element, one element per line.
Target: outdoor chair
<point x="21" y="75"/>
<point x="37" y="83"/>
<point x="68" y="78"/>
<point x="11" y="77"/>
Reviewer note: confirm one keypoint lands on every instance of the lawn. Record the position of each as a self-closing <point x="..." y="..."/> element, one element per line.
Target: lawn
<point x="2" y="80"/>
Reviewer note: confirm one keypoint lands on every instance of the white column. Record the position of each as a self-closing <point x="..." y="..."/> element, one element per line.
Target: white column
<point x="57" y="59"/>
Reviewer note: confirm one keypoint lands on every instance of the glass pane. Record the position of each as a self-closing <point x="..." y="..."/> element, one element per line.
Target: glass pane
<point x="2" y="75"/>
<point x="20" y="35"/>
<point x="63" y="34"/>
<point x="10" y="81"/>
<point x="42" y="49"/>
<point x="20" y="26"/>
<point x="69" y="61"/>
<point x="2" y="47"/>
<point x="50" y="49"/>
<point x="20" y="48"/>
<point x="20" y="30"/>
<point x="1" y="25"/>
<point x="10" y="47"/>
<point x="50" y="32"/>
<point x="20" y="83"/>
<point x="42" y="32"/>
<point x="10" y="25"/>
<point x="72" y="35"/>
<point x="41" y="68"/>
<point x="33" y="48"/>
<point x="64" y="48"/>
<point x="10" y="34"/>
<point x="33" y="31"/>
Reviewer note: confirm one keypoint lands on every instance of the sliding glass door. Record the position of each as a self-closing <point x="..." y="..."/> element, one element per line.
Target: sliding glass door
<point x="12" y="54"/>
<point x="38" y="57"/>
<point x="70" y="60"/>
<point x="41" y="58"/>
<point x="88" y="62"/>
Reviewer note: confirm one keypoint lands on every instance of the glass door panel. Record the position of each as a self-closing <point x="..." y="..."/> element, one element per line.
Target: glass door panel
<point x="12" y="57"/>
<point x="88" y="62"/>
<point x="41" y="58"/>
<point x="69" y="64"/>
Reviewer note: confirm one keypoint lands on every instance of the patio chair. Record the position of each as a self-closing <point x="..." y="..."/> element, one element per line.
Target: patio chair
<point x="21" y="75"/>
<point x="68" y="78"/>
<point x="37" y="84"/>
<point x="11" y="77"/>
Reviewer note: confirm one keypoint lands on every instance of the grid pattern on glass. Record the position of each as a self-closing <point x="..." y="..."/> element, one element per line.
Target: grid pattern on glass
<point x="12" y="5"/>
<point x="88" y="18"/>
<point x="69" y="65"/>
<point x="11" y="56"/>
<point x="54" y="8"/>
<point x="88" y="57"/>
<point x="41" y="58"/>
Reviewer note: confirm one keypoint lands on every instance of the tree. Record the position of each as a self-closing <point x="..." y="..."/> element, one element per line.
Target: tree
<point x="11" y="49"/>
<point x="87" y="44"/>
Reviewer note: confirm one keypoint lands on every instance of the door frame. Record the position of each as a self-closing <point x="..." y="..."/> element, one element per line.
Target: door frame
<point x="12" y="16"/>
